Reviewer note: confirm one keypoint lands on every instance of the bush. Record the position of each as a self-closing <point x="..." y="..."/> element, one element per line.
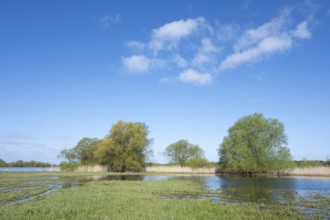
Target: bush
<point x="67" y="166"/>
<point x="310" y="163"/>
<point x="198" y="162"/>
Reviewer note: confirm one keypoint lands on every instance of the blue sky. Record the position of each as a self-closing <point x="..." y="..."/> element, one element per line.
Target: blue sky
<point x="188" y="69"/>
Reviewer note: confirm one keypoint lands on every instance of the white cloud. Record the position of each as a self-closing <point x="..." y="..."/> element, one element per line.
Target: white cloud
<point x="208" y="46"/>
<point x="168" y="35"/>
<point x="302" y="31"/>
<point x="135" y="45"/>
<point x="180" y="61"/>
<point x="137" y="64"/>
<point x="253" y="36"/>
<point x="140" y="64"/>
<point x="201" y="59"/>
<point x="108" y="21"/>
<point x="266" y="47"/>
<point x="195" y="77"/>
<point x="270" y="38"/>
<point x="205" y="53"/>
<point x="194" y="45"/>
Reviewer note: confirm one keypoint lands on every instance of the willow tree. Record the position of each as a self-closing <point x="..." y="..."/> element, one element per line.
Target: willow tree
<point x="181" y="151"/>
<point x="254" y="145"/>
<point x="125" y="148"/>
<point x="82" y="153"/>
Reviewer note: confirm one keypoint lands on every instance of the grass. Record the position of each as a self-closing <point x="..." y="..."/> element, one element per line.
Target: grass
<point x="132" y="200"/>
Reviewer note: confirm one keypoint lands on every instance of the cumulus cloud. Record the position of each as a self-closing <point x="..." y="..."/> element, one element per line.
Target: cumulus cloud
<point x="195" y="77"/>
<point x="140" y="64"/>
<point x="302" y="31"/>
<point x="136" y="64"/>
<point x="261" y="42"/>
<point x="168" y="35"/>
<point x="194" y="51"/>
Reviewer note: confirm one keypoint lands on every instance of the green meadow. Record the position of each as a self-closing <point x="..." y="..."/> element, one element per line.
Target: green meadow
<point x="81" y="197"/>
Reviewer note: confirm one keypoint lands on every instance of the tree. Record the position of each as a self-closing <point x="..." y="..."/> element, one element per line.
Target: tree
<point x="2" y="163"/>
<point x="82" y="153"/>
<point x="126" y="147"/>
<point x="255" y="145"/>
<point x="310" y="163"/>
<point x="182" y="150"/>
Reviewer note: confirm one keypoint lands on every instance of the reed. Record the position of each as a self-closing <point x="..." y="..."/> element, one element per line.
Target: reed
<point x="178" y="169"/>
<point x="309" y="171"/>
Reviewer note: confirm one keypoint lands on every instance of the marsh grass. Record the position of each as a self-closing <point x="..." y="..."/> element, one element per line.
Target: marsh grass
<point x="309" y="171"/>
<point x="146" y="200"/>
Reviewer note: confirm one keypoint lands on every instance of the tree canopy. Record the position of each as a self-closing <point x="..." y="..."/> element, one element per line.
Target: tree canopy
<point x="83" y="152"/>
<point x="255" y="144"/>
<point x="180" y="151"/>
<point x="21" y="163"/>
<point x="125" y="147"/>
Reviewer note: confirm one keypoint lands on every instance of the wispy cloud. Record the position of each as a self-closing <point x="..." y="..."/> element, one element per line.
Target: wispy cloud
<point x="107" y="21"/>
<point x="192" y="49"/>
<point x="302" y="31"/>
<point x="19" y="139"/>
<point x="265" y="47"/>
<point x="136" y="45"/>
<point x="195" y="77"/>
<point x="169" y="35"/>
<point x="270" y="38"/>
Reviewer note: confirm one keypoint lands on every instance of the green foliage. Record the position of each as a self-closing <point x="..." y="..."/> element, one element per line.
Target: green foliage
<point x="198" y="162"/>
<point x="21" y="163"/>
<point x="68" y="166"/>
<point x="255" y="145"/>
<point x="310" y="163"/>
<point x="180" y="151"/>
<point x="2" y="163"/>
<point x="125" y="148"/>
<point x="82" y="153"/>
<point x="327" y="162"/>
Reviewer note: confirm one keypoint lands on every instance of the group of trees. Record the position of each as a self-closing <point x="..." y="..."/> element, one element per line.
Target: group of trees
<point x="125" y="148"/>
<point x="21" y="163"/>
<point x="254" y="145"/>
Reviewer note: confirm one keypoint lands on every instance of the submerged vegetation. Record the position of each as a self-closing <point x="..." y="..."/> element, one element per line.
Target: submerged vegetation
<point x="166" y="199"/>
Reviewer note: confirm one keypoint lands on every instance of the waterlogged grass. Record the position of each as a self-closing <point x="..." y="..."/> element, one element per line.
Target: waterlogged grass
<point x="168" y="199"/>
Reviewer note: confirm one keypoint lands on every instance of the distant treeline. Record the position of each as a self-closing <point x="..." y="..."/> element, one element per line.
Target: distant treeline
<point x="312" y="163"/>
<point x="21" y="163"/>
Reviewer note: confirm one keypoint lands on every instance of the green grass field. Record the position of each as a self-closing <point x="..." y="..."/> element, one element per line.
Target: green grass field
<point x="124" y="200"/>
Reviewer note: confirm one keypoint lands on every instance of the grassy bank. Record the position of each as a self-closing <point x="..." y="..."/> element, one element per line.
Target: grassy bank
<point x="170" y="199"/>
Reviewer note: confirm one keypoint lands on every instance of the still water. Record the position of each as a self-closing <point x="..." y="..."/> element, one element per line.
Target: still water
<point x="244" y="189"/>
<point x="29" y="169"/>
<point x="230" y="189"/>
